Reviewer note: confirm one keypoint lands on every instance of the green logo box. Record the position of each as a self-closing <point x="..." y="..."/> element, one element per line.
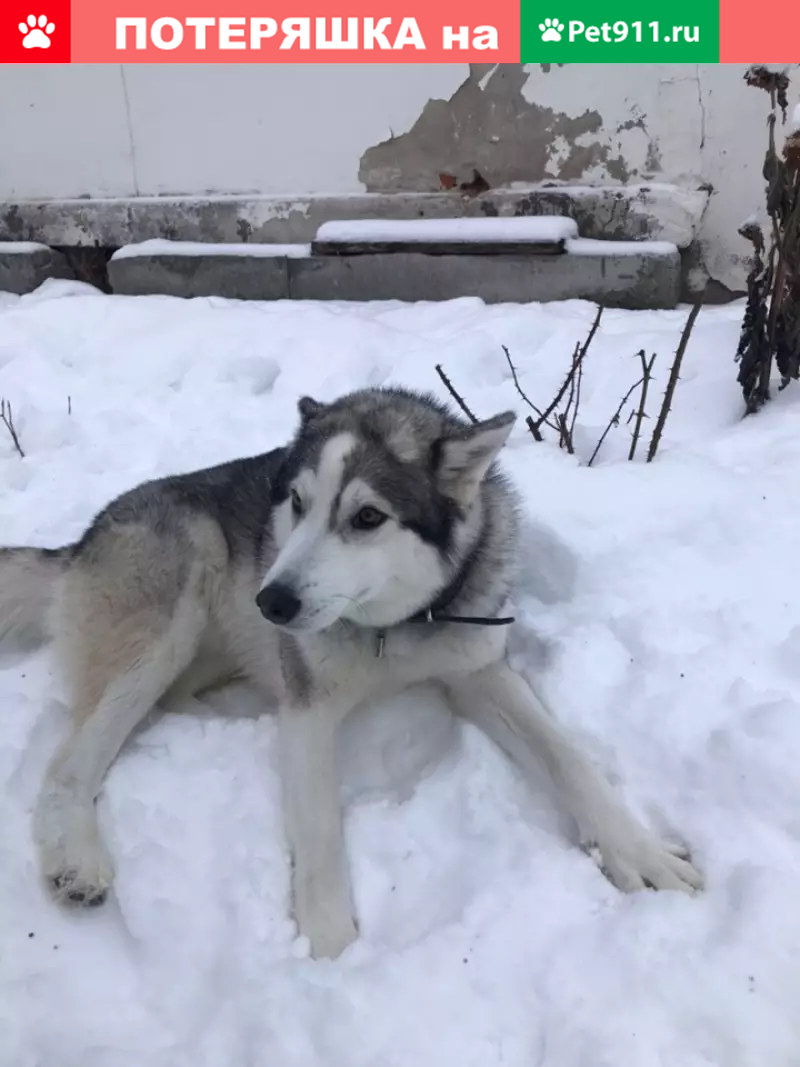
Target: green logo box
<point x="619" y="31"/>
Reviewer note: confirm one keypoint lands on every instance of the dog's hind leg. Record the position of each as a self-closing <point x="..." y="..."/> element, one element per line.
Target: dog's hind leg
<point x="500" y="701"/>
<point x="122" y="663"/>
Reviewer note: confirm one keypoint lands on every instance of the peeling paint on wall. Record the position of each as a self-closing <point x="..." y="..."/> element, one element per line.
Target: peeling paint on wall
<point x="488" y="125"/>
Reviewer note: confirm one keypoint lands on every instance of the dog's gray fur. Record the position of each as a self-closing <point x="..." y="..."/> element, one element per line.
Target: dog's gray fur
<point x="158" y="599"/>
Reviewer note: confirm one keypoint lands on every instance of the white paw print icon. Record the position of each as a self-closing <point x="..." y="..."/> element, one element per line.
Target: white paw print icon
<point x="551" y="29"/>
<point x="36" y="35"/>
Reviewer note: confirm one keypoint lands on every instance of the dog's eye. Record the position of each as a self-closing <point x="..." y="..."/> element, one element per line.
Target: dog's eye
<point x="297" y="504"/>
<point x="368" y="518"/>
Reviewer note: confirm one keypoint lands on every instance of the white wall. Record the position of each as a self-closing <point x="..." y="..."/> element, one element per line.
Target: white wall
<point x="112" y="131"/>
<point x="708" y="125"/>
<point x="152" y="130"/>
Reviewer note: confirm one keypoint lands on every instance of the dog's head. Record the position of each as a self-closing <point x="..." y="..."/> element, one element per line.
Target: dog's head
<point x="374" y="508"/>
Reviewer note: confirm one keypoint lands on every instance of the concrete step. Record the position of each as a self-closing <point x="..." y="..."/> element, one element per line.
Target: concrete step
<point x="649" y="211"/>
<point x="186" y="268"/>
<point x="637" y="274"/>
<point x="24" y="265"/>
<point x="540" y="235"/>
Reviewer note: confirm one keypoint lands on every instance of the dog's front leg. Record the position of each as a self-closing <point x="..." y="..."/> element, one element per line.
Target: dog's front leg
<point x="312" y="810"/>
<point x="502" y="703"/>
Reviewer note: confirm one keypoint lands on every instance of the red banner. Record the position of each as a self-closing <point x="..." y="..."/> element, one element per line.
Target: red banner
<point x="206" y="31"/>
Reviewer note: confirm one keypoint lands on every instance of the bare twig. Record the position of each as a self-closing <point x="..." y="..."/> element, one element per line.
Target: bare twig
<point x="641" y="413"/>
<point x="562" y="422"/>
<point x="674" y="374"/>
<point x="535" y="431"/>
<point x="614" y="420"/>
<point x="451" y="390"/>
<point x="529" y="421"/>
<point x="565" y="437"/>
<point x="592" y="332"/>
<point x="577" y="359"/>
<point x="7" y="419"/>
<point x="548" y="411"/>
<point x="577" y="398"/>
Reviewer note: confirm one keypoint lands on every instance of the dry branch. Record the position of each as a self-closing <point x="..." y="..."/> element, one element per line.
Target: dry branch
<point x="548" y="411"/>
<point x="537" y="436"/>
<point x="535" y="431"/>
<point x="579" y="382"/>
<point x="641" y="411"/>
<point x="672" y="381"/>
<point x="578" y="357"/>
<point x="564" y="434"/>
<point x="7" y="419"/>
<point x="614" y="420"/>
<point x="562" y="422"/>
<point x="456" y="396"/>
<point x="565" y="437"/>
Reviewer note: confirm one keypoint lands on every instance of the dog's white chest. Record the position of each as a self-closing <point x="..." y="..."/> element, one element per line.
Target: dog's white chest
<point x="406" y="657"/>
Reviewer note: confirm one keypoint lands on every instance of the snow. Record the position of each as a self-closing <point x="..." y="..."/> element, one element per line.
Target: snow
<point x="586" y="246"/>
<point x="159" y="247"/>
<point x="658" y="610"/>
<point x="21" y="248"/>
<point x="428" y="230"/>
<point x="530" y="228"/>
<point x="794" y="123"/>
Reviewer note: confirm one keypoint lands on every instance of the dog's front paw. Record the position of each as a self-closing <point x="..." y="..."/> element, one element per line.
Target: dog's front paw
<point x="73" y="886"/>
<point x="326" y="919"/>
<point x="74" y="863"/>
<point x="329" y="938"/>
<point x="638" y="860"/>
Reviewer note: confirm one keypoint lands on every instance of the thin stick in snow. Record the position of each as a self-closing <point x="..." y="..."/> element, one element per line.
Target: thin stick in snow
<point x="641" y="413"/>
<point x="614" y="420"/>
<point x="674" y="374"/>
<point x="577" y="359"/>
<point x="7" y="419"/>
<point x="577" y="400"/>
<point x="451" y="390"/>
<point x="537" y="436"/>
<point x="565" y="437"/>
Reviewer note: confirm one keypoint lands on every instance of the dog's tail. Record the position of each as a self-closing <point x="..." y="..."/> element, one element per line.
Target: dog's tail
<point x="28" y="578"/>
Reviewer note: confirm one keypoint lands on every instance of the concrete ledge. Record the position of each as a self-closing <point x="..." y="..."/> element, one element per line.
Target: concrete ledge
<point x="628" y="275"/>
<point x="636" y="212"/>
<point x="24" y="266"/>
<point x="237" y="277"/>
<point x="532" y="235"/>
<point x="617" y="280"/>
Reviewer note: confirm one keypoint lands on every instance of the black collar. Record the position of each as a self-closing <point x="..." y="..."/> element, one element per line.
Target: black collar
<point x="436" y="611"/>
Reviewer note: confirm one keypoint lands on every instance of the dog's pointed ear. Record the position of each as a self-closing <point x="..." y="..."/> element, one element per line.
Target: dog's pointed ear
<point x="466" y="455"/>
<point x="308" y="408"/>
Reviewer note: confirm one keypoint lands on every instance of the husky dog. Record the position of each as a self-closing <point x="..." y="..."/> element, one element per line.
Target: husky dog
<point x="374" y="552"/>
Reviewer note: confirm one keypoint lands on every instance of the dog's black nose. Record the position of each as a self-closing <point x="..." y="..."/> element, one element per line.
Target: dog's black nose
<point x="278" y="603"/>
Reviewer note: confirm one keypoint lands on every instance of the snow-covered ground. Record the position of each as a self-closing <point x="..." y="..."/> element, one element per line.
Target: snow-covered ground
<point x="659" y="609"/>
